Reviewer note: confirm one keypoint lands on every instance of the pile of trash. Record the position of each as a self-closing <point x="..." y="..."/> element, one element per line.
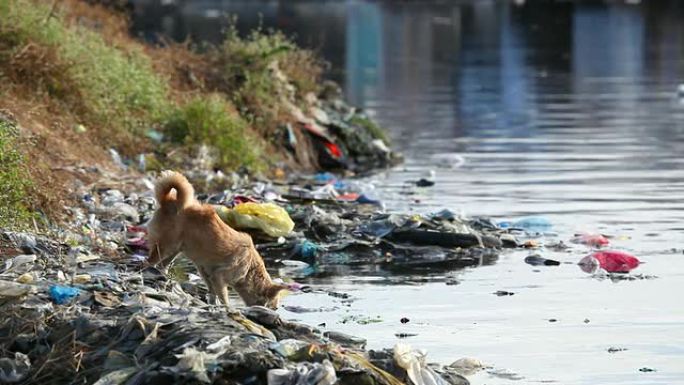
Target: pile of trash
<point x="80" y="306"/>
<point x="72" y="316"/>
<point x="315" y="227"/>
<point x="326" y="133"/>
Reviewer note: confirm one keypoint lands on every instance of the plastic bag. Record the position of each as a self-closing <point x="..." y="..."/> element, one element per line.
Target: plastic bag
<point x="268" y="217"/>
<point x="533" y="224"/>
<point x="612" y="261"/>
<point x="413" y="361"/>
<point x="304" y="373"/>
<point x="594" y="240"/>
<point x="63" y="294"/>
<point x="14" y="370"/>
<point x="12" y="289"/>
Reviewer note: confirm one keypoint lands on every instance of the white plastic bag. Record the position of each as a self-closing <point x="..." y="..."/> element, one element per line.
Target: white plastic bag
<point x="413" y="361"/>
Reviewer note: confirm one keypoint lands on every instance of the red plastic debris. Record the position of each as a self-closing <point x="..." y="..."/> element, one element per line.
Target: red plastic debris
<point x="348" y="197"/>
<point x="333" y="150"/>
<point x="610" y="260"/>
<point x="137" y="243"/>
<point x="595" y="240"/>
<point x="240" y="199"/>
<point x="136" y="229"/>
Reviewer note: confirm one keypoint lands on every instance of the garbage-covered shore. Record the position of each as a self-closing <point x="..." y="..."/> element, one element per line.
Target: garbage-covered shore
<point x="80" y="306"/>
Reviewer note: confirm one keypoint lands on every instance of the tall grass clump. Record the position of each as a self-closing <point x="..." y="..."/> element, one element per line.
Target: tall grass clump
<point x="111" y="88"/>
<point x="246" y="73"/>
<point x="210" y="120"/>
<point x="14" y="180"/>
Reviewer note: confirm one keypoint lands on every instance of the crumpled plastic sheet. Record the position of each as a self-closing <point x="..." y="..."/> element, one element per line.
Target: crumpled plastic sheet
<point x="14" y="370"/>
<point x="413" y="361"/>
<point x="305" y="373"/>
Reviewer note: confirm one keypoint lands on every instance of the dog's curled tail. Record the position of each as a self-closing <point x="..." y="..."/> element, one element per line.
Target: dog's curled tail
<point x="171" y="180"/>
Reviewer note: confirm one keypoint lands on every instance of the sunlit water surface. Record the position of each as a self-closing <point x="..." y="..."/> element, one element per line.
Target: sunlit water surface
<point x="567" y="111"/>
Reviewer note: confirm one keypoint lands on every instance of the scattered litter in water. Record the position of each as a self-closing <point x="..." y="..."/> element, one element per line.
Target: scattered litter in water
<point x="338" y="295"/>
<point x="467" y="366"/>
<point x="422" y="182"/>
<point x="360" y="319"/>
<point x="558" y="246"/>
<point x="531" y="224"/>
<point x="502" y="293"/>
<point x="536" y="260"/>
<point x="612" y="261"/>
<point x="505" y="374"/>
<point x="301" y="309"/>
<point x="593" y="240"/>
<point x="619" y="277"/>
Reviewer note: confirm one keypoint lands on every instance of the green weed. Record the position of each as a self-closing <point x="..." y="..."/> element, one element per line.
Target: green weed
<point x="210" y="120"/>
<point x="246" y="73"/>
<point x="14" y="181"/>
<point x="376" y="131"/>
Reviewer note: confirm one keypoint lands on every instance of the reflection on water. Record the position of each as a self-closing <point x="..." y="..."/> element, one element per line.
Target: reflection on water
<point x="561" y="109"/>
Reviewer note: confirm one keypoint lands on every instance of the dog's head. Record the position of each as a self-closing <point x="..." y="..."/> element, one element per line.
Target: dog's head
<point x="273" y="295"/>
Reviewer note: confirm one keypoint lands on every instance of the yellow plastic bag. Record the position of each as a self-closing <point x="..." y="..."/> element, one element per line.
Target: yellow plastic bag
<point x="268" y="217"/>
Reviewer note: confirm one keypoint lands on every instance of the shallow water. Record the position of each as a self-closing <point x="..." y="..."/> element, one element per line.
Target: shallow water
<point x="567" y="111"/>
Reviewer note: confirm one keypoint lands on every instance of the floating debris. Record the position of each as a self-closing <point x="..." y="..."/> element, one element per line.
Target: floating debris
<point x="503" y="293"/>
<point x="405" y="335"/>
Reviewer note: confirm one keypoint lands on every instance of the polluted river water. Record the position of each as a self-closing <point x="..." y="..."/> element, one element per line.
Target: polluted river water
<point x="568" y="111"/>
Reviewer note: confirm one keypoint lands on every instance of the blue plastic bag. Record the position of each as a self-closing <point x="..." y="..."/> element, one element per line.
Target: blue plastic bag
<point x="324" y="177"/>
<point x="536" y="224"/>
<point x="63" y="294"/>
<point x="308" y="249"/>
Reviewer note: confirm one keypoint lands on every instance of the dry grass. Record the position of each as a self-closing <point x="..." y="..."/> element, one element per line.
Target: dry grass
<point x="14" y="181"/>
<point x="209" y="119"/>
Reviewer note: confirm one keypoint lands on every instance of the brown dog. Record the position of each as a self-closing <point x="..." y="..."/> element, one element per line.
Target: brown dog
<point x="224" y="257"/>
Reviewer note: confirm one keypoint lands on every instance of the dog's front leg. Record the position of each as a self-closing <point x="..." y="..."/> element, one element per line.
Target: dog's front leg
<point x="162" y="257"/>
<point x="212" y="294"/>
<point x="221" y="286"/>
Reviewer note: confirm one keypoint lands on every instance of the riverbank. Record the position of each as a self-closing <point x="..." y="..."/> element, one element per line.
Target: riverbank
<point x="80" y="91"/>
